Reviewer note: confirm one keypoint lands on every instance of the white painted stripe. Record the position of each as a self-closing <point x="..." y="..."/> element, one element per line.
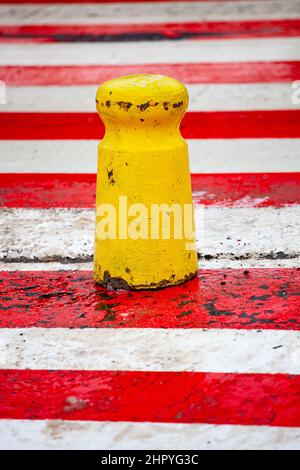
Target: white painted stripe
<point x="51" y="156"/>
<point x="244" y="155"/>
<point x="147" y="13"/>
<point x="215" y="97"/>
<point x="245" y="263"/>
<point x="151" y="349"/>
<point x="85" y="435"/>
<point x="55" y="234"/>
<point x="203" y="264"/>
<point x="251" y="232"/>
<point x="88" y="266"/>
<point x="181" y="51"/>
<point x="206" y="156"/>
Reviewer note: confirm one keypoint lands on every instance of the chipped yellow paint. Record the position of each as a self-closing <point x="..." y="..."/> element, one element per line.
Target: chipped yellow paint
<point x="143" y="159"/>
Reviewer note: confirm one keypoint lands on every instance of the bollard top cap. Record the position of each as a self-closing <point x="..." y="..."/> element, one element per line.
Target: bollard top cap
<point x="143" y="95"/>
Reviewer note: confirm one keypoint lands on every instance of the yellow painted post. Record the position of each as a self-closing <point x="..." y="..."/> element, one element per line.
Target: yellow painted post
<point x="144" y="222"/>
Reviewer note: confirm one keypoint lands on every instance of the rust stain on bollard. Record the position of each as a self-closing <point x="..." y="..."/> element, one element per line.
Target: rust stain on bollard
<point x="144" y="222"/>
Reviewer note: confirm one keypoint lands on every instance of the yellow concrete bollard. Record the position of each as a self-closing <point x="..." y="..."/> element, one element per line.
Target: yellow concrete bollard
<point x="144" y="218"/>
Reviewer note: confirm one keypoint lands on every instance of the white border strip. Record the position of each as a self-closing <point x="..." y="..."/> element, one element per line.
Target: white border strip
<point x="151" y="349"/>
<point x="206" y="156"/>
<point x="71" y="435"/>
<point x="203" y="264"/>
<point x="152" y="52"/>
<point x="55" y="234"/>
<point x="211" y="97"/>
<point x="147" y="13"/>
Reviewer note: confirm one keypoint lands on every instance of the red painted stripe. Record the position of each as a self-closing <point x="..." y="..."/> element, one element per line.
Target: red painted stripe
<point x="204" y="30"/>
<point x="241" y="124"/>
<point x="231" y="72"/>
<point x="46" y="190"/>
<point x="176" y="397"/>
<point x="247" y="189"/>
<point x="217" y="298"/>
<point x="195" y="125"/>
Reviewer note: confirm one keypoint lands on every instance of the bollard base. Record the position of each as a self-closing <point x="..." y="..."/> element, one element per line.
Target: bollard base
<point x="117" y="283"/>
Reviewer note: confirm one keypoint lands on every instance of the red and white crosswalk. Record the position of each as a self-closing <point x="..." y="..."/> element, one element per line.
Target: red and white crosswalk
<point x="213" y="363"/>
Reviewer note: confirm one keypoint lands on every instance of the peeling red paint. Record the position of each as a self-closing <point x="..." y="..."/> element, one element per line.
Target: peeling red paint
<point x="229" y="298"/>
<point x="195" y="125"/>
<point x="113" y="32"/>
<point x="227" y="72"/>
<point x="46" y="190"/>
<point x="177" y="397"/>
